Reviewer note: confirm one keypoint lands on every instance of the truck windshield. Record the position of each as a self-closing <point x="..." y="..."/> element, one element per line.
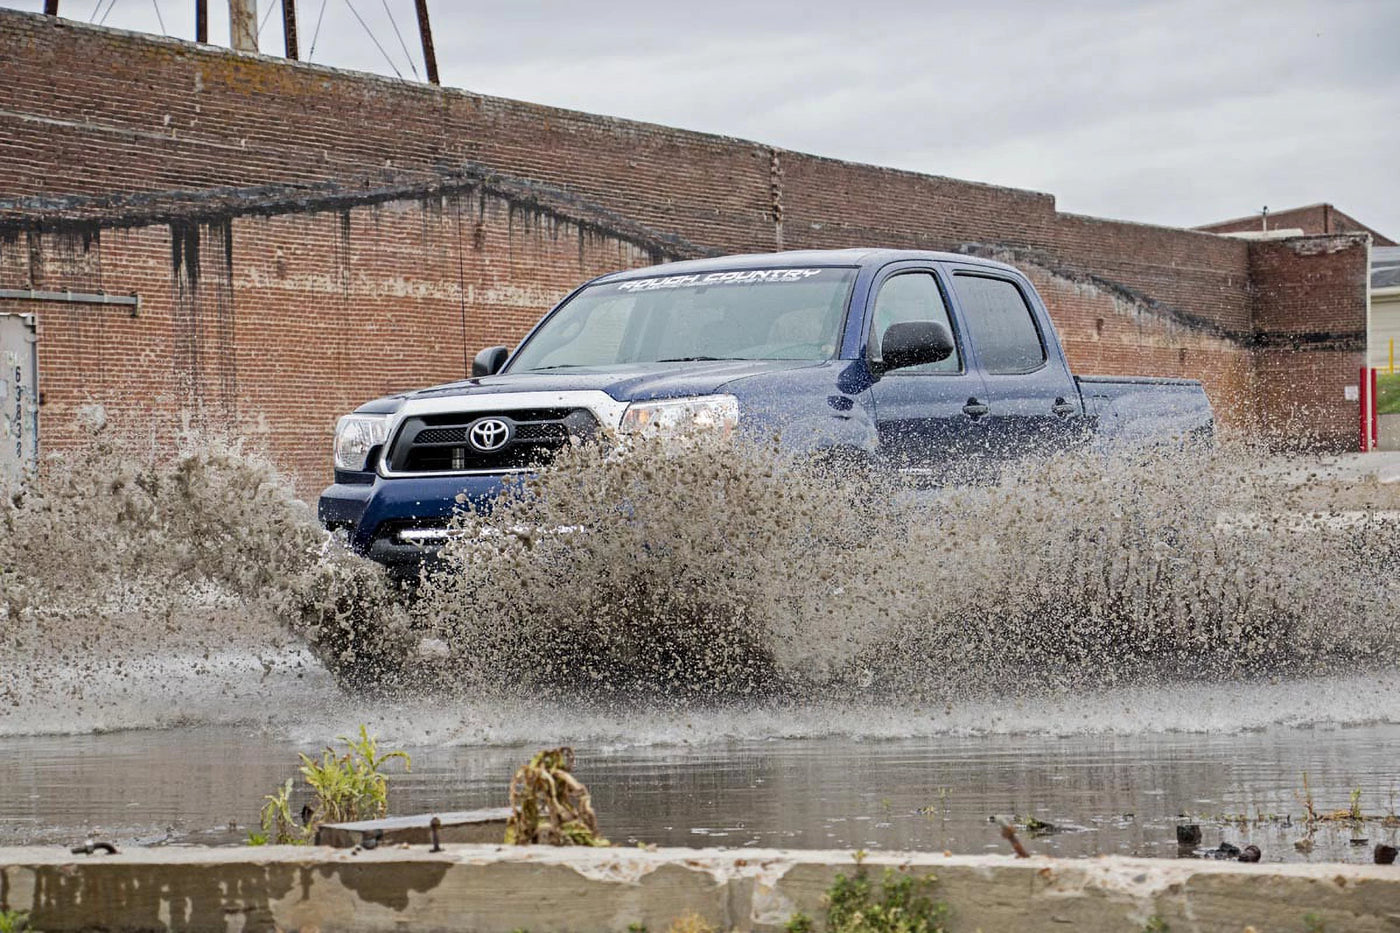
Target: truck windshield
<point x="741" y="314"/>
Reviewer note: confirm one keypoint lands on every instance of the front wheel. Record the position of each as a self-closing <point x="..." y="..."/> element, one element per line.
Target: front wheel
<point x="355" y="620"/>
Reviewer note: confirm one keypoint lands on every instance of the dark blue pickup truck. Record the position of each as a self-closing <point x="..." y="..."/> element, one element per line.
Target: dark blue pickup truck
<point x="916" y="361"/>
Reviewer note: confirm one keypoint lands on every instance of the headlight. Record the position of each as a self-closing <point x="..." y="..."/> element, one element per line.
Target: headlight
<point x="356" y="436"/>
<point x="675" y="416"/>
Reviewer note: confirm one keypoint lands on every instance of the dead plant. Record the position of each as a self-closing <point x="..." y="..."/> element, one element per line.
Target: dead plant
<point x="549" y="806"/>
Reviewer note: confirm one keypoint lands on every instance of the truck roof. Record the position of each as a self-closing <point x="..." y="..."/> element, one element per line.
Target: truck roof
<point x="795" y="258"/>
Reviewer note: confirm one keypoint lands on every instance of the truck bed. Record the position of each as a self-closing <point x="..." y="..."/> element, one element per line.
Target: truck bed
<point x="1144" y="409"/>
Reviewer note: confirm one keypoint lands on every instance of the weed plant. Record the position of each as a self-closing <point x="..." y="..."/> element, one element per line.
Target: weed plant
<point x="352" y="785"/>
<point x="344" y="786"/>
<point x="899" y="904"/>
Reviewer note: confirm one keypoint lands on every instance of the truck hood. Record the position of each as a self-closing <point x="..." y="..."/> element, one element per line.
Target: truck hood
<point x="626" y="383"/>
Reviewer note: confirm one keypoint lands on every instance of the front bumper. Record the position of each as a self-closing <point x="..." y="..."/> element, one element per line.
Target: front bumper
<point x="375" y="513"/>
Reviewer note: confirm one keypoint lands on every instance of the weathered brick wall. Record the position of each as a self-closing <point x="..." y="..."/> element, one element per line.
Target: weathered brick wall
<point x="827" y="203"/>
<point x="1105" y="333"/>
<point x="1310" y="335"/>
<point x="113" y="112"/>
<point x="277" y="325"/>
<point x="1313" y="220"/>
<point x="356" y="235"/>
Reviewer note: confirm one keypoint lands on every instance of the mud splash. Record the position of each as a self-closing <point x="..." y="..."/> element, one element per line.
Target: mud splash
<point x="723" y="571"/>
<point x="136" y="564"/>
<point x="148" y="583"/>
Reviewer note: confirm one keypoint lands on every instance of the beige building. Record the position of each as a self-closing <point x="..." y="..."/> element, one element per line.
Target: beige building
<point x="1384" y="337"/>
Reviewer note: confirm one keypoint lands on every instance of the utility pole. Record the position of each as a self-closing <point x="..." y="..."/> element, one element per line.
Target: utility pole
<point x="243" y="25"/>
<point x="289" y="27"/>
<point x="201" y="21"/>
<point x="50" y="7"/>
<point x="426" y="33"/>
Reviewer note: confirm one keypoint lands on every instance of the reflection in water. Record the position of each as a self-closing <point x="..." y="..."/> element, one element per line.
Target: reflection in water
<point x="1106" y="793"/>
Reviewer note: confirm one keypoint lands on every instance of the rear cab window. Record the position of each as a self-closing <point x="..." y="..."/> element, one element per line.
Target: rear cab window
<point x="1001" y="324"/>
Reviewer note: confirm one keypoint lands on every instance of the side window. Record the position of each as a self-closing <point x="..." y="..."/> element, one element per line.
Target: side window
<point x="912" y="296"/>
<point x="1000" y="324"/>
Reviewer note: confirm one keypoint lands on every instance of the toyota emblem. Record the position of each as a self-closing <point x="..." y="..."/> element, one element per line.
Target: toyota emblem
<point x="489" y="434"/>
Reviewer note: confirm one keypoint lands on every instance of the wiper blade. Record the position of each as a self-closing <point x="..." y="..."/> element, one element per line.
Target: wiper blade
<point x="700" y="359"/>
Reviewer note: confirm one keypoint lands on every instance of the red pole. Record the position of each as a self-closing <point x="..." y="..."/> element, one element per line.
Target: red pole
<point x="1375" y="412"/>
<point x="1363" y="386"/>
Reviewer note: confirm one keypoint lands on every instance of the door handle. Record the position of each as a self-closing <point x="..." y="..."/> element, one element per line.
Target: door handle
<point x="975" y="409"/>
<point x="1063" y="409"/>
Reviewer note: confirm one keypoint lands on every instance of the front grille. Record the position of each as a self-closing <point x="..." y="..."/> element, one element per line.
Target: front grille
<point x="442" y="443"/>
<point x="441" y="435"/>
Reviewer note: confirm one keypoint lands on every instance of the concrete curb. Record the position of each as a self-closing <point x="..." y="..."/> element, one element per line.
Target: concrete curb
<point x="540" y="889"/>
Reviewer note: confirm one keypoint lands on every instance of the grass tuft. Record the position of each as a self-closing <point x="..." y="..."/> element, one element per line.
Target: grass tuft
<point x="344" y="786"/>
<point x="898" y="904"/>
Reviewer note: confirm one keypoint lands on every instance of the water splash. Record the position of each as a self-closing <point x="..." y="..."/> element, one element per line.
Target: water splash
<point x="146" y="580"/>
<point x="720" y="591"/>
<point x="722" y="571"/>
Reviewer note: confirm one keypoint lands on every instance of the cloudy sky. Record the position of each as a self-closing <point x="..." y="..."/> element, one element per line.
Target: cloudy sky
<point x="1175" y="113"/>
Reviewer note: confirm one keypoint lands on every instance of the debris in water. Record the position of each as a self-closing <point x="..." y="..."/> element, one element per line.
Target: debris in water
<point x="549" y="806"/>
<point x="1225" y="850"/>
<point x="1008" y="832"/>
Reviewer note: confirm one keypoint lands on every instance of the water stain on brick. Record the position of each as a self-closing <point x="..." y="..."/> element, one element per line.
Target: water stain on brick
<point x="204" y="337"/>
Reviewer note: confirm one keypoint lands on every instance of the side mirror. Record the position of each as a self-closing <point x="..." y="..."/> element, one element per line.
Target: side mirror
<point x="915" y="343"/>
<point x="489" y="361"/>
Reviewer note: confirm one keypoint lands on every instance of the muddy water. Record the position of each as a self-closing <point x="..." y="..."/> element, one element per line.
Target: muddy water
<point x="178" y="752"/>
<point x="1106" y="792"/>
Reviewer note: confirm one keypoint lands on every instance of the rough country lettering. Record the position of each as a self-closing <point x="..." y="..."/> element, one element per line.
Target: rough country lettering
<point x="738" y="277"/>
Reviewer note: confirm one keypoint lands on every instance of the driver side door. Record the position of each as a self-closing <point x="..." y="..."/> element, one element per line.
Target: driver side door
<point x="930" y="418"/>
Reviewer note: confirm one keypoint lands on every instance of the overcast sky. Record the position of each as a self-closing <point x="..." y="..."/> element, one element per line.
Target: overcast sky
<point x="1176" y="113"/>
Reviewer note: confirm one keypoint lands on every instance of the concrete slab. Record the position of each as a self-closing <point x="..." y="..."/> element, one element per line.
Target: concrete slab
<point x="474" y="826"/>
<point x="543" y="889"/>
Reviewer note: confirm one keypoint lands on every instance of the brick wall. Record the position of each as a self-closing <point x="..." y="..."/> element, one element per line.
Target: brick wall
<point x="1313" y="220"/>
<point x="276" y="325"/>
<point x="1103" y="333"/>
<point x="305" y="238"/>
<point x="1310" y="335"/>
<point x="110" y="112"/>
